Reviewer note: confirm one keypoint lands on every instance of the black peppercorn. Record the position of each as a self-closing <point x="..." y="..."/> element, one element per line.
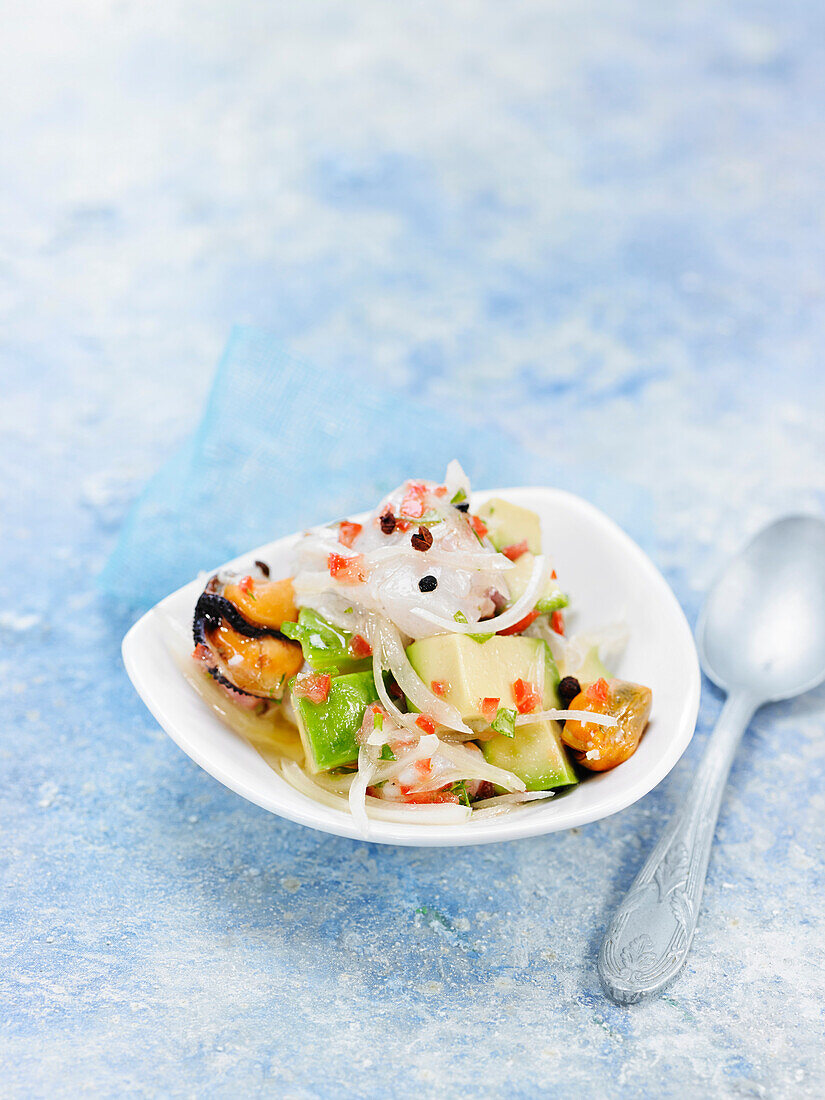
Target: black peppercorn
<point x="422" y="539"/>
<point x="387" y="522"/>
<point x="464" y="506"/>
<point x="568" y="689"/>
<point x="428" y="583"/>
<point x="264" y="568"/>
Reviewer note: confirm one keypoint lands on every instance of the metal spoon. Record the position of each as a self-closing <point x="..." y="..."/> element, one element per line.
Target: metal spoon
<point x="761" y="638"/>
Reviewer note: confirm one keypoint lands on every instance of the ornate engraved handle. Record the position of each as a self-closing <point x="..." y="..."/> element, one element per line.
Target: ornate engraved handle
<point x="647" y="942"/>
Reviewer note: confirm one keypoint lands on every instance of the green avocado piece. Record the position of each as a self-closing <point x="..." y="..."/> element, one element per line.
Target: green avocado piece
<point x="328" y="729"/>
<point x="325" y="647"/>
<point x="551" y="680"/>
<point x="473" y="671"/>
<point x="518" y="577"/>
<point x="536" y="755"/>
<point x="509" y="524"/>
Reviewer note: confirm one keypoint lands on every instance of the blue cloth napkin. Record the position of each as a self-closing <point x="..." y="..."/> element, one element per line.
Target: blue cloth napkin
<point x="284" y="444"/>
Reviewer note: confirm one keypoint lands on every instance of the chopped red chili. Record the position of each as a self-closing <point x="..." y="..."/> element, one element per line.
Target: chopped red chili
<point x="426" y="798"/>
<point x="359" y="646"/>
<point x="515" y="551"/>
<point x="598" y="692"/>
<point x="522" y="624"/>
<point x="424" y="722"/>
<point x="479" y="526"/>
<point x="439" y="687"/>
<point x="315" y="687"/>
<point x="557" y="622"/>
<point x="346" y="570"/>
<point x="349" y="532"/>
<point x="526" y="696"/>
<point x="489" y="708"/>
<point x="413" y="505"/>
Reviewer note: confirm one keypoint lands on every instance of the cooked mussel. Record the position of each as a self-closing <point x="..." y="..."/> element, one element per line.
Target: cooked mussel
<point x="601" y="748"/>
<point x="237" y="635"/>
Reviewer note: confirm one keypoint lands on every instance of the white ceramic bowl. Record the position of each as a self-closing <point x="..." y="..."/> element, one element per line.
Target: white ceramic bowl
<point x="608" y="578"/>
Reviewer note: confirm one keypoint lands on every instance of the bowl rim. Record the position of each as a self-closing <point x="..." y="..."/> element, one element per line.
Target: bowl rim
<point x="300" y="809"/>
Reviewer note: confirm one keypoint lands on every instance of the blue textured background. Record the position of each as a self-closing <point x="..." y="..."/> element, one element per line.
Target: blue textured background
<point x="598" y="224"/>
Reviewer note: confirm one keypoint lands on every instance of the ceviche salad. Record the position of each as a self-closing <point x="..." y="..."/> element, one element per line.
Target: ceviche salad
<point x="416" y="665"/>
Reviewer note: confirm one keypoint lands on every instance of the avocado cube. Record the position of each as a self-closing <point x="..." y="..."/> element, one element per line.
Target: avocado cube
<point x="328" y="729"/>
<point x="508" y="524"/>
<point x="536" y="755"/>
<point x="473" y="671"/>
<point x="325" y="647"/>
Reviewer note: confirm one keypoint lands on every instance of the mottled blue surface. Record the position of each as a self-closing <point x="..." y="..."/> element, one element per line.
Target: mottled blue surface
<point x="284" y="444"/>
<point x="598" y="226"/>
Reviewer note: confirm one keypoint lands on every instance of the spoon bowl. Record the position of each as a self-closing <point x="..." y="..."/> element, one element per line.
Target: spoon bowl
<point x="762" y="629"/>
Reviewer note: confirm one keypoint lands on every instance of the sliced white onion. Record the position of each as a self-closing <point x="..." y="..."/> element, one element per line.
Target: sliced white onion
<point x="381" y="735"/>
<point x="411" y="684"/>
<point x="423" y="749"/>
<point x="456" y="479"/>
<point x="367" y="727"/>
<point x="447" y="813"/>
<point x="513" y="799"/>
<point x="562" y="715"/>
<point x="453" y="737"/>
<point x="378" y="809"/>
<point x="506" y="619"/>
<point x="358" y="790"/>
<point x="461" y="763"/>
<point x="378" y="663"/>
<point x="295" y="775"/>
<point x="335" y="784"/>
<point x="493" y="811"/>
<point x="472" y="765"/>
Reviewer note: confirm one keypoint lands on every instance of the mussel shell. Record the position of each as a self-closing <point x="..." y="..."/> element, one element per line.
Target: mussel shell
<point x="210" y="610"/>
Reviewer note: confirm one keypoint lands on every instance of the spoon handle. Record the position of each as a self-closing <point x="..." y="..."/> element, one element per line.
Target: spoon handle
<point x="648" y="939"/>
